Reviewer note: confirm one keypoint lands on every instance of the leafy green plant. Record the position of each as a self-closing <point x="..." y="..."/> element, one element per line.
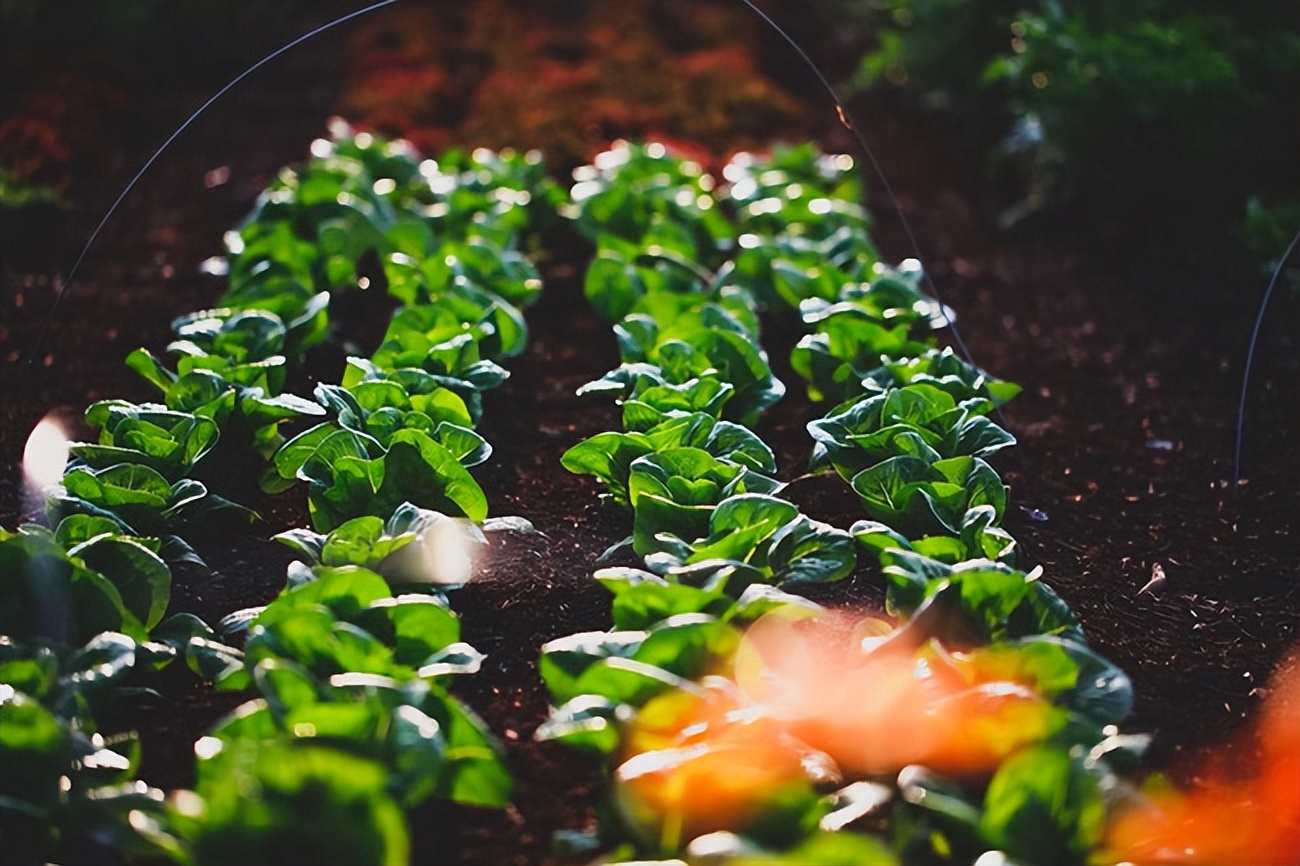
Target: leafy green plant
<point x="911" y="437"/>
<point x="51" y="594"/>
<point x="784" y="270"/>
<point x="142" y="470"/>
<point x="642" y="598"/>
<point x="917" y="420"/>
<point x="691" y="349"/>
<point x="1082" y="105"/>
<point x="413" y="546"/>
<point x="914" y="495"/>
<point x="609" y="456"/>
<point x="303" y="312"/>
<point x="497" y="194"/>
<point x="236" y="385"/>
<point x="649" y="393"/>
<point x="675" y="491"/>
<point x="630" y="667"/>
<point x="976" y="601"/>
<point x="979" y="538"/>
<point x="755" y="538"/>
<point x="81" y="627"/>
<point x="429" y="270"/>
<point x="66" y="791"/>
<point x="169" y="442"/>
<point x="632" y="189"/>
<point x="752" y="177"/>
<point x="435" y="342"/>
<point x="623" y="271"/>
<point x="660" y="317"/>
<point x="942" y="368"/>
<point x="256" y="802"/>
<point x="380" y="402"/>
<point x="345" y="482"/>
<point x="339" y="659"/>
<point x="141" y="501"/>
<point x="867" y="325"/>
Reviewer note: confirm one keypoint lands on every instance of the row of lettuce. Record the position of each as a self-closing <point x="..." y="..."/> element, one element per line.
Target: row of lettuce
<point x="352" y="724"/>
<point x="737" y="721"/>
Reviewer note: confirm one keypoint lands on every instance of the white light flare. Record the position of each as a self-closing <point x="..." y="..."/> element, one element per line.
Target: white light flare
<point x="45" y="454"/>
<point x="445" y="554"/>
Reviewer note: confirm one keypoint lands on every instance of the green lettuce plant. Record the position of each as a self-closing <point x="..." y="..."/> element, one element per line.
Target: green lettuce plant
<point x="917" y="420"/>
<point x="609" y="456"/>
<point x="755" y="538"/>
<point x="674" y="492"/>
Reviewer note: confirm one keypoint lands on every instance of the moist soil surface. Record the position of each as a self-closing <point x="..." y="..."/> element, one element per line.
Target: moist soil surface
<point x="1125" y="427"/>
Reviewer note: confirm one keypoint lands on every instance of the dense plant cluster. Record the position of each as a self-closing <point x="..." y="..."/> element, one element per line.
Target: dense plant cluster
<point x="352" y="723"/>
<point x="686" y="699"/>
<point x="739" y="721"/>
<point x="1170" y="107"/>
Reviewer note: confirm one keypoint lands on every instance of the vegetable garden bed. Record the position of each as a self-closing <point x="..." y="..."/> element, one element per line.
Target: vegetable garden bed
<point x="536" y="588"/>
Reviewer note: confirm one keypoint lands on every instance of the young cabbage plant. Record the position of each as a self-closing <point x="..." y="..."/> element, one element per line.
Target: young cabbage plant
<point x="846" y="348"/>
<point x="247" y="417"/>
<point x="500" y="195"/>
<point x="743" y="384"/>
<point x="370" y="412"/>
<point x="890" y="296"/>
<point x="648" y="393"/>
<point x="733" y="776"/>
<point x="413" y="546"/>
<point x="624" y="273"/>
<point x="712" y="345"/>
<point x="984" y="600"/>
<point x="785" y="270"/>
<point x="344" y="481"/>
<point x="643" y="598"/>
<point x="142" y="470"/>
<point x="730" y="308"/>
<point x="943" y="369"/>
<point x="755" y="538"/>
<point x="142" y="502"/>
<point x="917" y="497"/>
<point x="887" y="319"/>
<point x="430" y="743"/>
<point x="67" y="793"/>
<point x="433" y="297"/>
<point x="448" y="353"/>
<point x="80" y="629"/>
<point x="320" y="218"/>
<point x="609" y="456"/>
<point x="754" y="176"/>
<point x="979" y="538"/>
<point x="631" y="189"/>
<point x="346" y="620"/>
<point x="674" y="493"/>
<point x="796" y="210"/>
<point x="632" y="666"/>
<point x="474" y="273"/>
<point x="918" y="420"/>
<point x="87" y="584"/>
<point x="593" y="710"/>
<point x="318" y="802"/>
<point x="167" y="441"/>
<point x="274" y="291"/>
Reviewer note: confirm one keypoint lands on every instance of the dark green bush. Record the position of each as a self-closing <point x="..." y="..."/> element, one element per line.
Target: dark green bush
<point x="1155" y="119"/>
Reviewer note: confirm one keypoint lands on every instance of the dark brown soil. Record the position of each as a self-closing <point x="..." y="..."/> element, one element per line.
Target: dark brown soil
<point x="1125" y="426"/>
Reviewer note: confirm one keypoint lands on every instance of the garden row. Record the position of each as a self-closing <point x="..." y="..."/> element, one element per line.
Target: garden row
<point x="739" y="722"/>
<point x="352" y="723"/>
